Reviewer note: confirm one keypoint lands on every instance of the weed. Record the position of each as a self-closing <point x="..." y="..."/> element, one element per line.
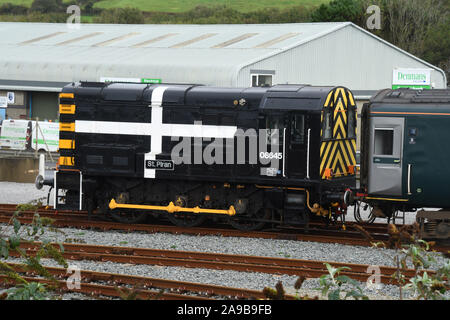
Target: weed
<point x="332" y="285"/>
<point x="22" y="289"/>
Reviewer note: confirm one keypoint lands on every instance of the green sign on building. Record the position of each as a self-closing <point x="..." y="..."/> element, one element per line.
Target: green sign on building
<point x="411" y="78"/>
<point x="141" y="80"/>
<point x="149" y="80"/>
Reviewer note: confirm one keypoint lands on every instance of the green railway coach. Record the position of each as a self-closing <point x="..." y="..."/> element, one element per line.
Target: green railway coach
<point x="406" y="155"/>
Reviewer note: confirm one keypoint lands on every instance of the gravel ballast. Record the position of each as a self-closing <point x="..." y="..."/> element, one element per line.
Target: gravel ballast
<point x="21" y="193"/>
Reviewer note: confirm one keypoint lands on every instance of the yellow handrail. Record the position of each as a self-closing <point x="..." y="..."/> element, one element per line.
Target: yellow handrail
<point x="171" y="208"/>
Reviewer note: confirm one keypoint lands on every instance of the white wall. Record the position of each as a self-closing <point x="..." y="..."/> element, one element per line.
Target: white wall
<point x="348" y="57"/>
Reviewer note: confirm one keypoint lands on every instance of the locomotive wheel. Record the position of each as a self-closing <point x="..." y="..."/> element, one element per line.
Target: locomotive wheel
<point x="128" y="216"/>
<point x="365" y="218"/>
<point x="249" y="221"/>
<point x="185" y="219"/>
<point x="124" y="215"/>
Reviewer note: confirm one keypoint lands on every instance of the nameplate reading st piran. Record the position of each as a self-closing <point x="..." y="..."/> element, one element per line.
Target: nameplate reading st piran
<point x="159" y="164"/>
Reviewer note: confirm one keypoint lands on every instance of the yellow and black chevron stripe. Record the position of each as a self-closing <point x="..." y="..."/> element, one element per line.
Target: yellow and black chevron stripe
<point x="337" y="155"/>
<point x="67" y="109"/>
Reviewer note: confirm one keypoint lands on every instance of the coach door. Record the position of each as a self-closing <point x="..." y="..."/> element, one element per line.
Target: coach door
<point x="385" y="156"/>
<point x="297" y="146"/>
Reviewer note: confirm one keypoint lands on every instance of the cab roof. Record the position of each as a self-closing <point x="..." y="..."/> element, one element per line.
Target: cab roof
<point x="279" y="97"/>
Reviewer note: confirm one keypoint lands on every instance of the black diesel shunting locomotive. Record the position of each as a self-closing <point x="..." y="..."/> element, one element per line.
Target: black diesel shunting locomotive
<point x="251" y="156"/>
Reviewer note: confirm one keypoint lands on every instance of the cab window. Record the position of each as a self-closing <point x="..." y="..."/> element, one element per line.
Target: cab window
<point x="351" y="122"/>
<point x="327" y="124"/>
<point x="274" y="129"/>
<point x="298" y="129"/>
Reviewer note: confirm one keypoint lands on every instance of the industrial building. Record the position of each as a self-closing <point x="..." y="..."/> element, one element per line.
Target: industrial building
<point x="38" y="59"/>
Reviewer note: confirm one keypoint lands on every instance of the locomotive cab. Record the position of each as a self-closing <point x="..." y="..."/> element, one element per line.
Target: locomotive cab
<point x="317" y="139"/>
<point x="316" y="132"/>
<point x="288" y="134"/>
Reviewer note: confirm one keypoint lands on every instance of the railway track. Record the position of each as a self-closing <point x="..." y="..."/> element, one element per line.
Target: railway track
<point x="316" y="233"/>
<point x="129" y="255"/>
<point x="8" y="209"/>
<point x="217" y="261"/>
<point x="97" y="284"/>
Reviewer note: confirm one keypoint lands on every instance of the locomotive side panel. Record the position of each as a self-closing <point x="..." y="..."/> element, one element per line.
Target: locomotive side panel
<point x="211" y="158"/>
<point x="426" y="154"/>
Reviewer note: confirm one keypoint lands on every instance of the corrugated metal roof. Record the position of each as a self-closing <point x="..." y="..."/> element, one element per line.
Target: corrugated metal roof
<point x="208" y="54"/>
<point x="194" y="53"/>
<point x="120" y="35"/>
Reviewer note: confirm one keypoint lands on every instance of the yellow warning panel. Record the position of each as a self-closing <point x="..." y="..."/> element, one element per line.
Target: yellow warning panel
<point x="66" y="95"/>
<point x="66" y="161"/>
<point x="67" y="126"/>
<point x="66" y="144"/>
<point x="67" y="108"/>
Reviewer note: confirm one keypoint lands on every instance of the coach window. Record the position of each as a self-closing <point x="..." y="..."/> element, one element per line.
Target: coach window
<point x="262" y="80"/>
<point x="384" y="142"/>
<point x="298" y="129"/>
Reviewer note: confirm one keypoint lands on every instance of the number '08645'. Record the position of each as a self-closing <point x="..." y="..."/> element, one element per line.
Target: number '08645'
<point x="271" y="155"/>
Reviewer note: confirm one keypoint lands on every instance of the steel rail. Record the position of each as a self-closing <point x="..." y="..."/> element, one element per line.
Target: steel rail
<point x="202" y="291"/>
<point x="79" y="220"/>
<point x="62" y="221"/>
<point x="48" y="211"/>
<point x="218" y="261"/>
<point x="93" y="289"/>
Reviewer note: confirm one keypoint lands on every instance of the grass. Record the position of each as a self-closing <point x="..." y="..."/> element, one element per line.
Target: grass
<point x="26" y="3"/>
<point x="176" y="6"/>
<point x="87" y="19"/>
<point x="185" y="5"/>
